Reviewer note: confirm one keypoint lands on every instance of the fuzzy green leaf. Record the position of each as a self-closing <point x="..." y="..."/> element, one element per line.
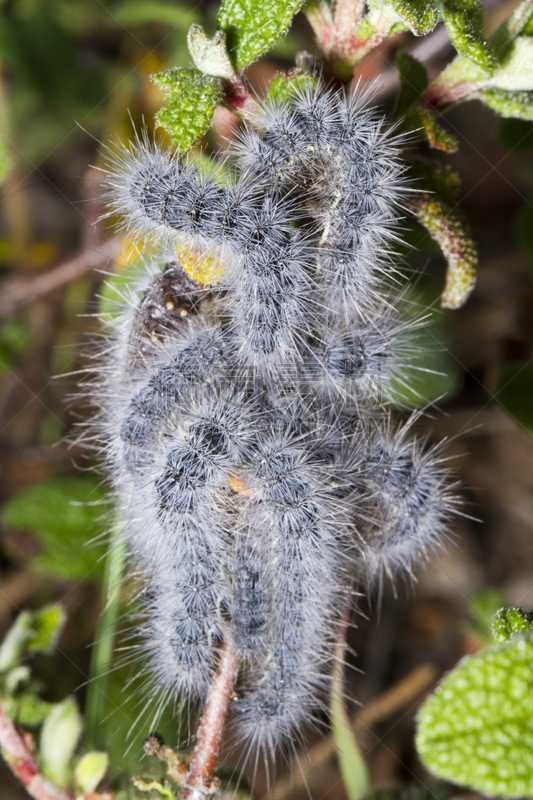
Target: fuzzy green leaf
<point x="520" y="22"/>
<point x="210" y="55"/>
<point x="59" y="738"/>
<point x="192" y="100"/>
<point x="509" y="104"/>
<point x="420" y="15"/>
<point x="66" y="515"/>
<point x="253" y="28"/>
<point x="413" y="79"/>
<point x="510" y="89"/>
<point x="438" y="137"/>
<point x="508" y="622"/>
<point x="515" y="74"/>
<point x="436" y="209"/>
<point x="477" y="729"/>
<point x="464" y="21"/>
<point x="32" y="632"/>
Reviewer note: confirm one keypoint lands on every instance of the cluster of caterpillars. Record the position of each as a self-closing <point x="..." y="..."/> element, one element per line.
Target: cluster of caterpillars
<point x="245" y="401"/>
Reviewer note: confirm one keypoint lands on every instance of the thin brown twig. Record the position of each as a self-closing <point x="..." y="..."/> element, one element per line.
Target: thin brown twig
<point x="18" y="292"/>
<point x="199" y="781"/>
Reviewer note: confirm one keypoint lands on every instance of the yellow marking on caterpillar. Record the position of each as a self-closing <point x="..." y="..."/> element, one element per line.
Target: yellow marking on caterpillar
<point x="203" y="268"/>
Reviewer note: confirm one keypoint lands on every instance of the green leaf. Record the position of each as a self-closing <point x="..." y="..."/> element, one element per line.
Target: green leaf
<point x="528" y="27"/>
<point x="464" y="22"/>
<point x="435" y="207"/>
<point x="284" y="87"/>
<point x="192" y="100"/>
<point x="438" y="137"/>
<point x="509" y="91"/>
<point x="508" y="622"/>
<point x="509" y="104"/>
<point x="66" y="514"/>
<point x="59" y="738"/>
<point x="15" y="678"/>
<point x="26" y="709"/>
<point x="515" y="72"/>
<point x="252" y="28"/>
<point x="32" y="632"/>
<point x="413" y="79"/>
<point x="46" y="628"/>
<point x="520" y="22"/>
<point x="15" y="641"/>
<point x="420" y="15"/>
<point x="210" y="55"/>
<point x="477" y="729"/>
<point x="90" y="770"/>
<point x="515" y="392"/>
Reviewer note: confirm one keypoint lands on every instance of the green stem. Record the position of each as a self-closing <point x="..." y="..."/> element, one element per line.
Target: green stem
<point x="102" y="652"/>
<point x="352" y="765"/>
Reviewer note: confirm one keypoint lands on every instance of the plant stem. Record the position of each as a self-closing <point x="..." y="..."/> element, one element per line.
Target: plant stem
<point x="351" y="762"/>
<point x="102" y="652"/>
<point x="238" y="97"/>
<point x="201" y="773"/>
<point x="16" y="749"/>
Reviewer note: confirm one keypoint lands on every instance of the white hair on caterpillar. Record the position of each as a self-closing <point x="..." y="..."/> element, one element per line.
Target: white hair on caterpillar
<point x="242" y="406"/>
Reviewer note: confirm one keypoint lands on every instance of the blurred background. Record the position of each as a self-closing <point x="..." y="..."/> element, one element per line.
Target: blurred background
<point x="75" y="77"/>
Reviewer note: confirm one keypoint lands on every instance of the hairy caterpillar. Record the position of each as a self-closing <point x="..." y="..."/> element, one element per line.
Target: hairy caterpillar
<point x="243" y="401"/>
